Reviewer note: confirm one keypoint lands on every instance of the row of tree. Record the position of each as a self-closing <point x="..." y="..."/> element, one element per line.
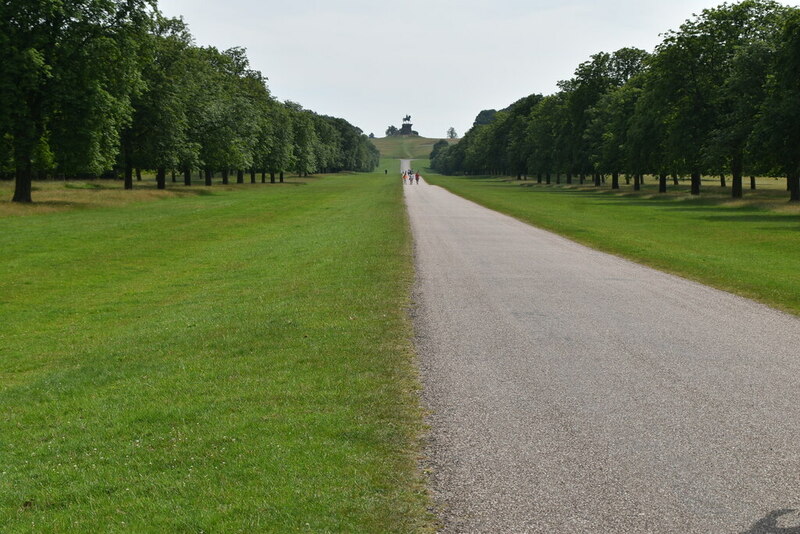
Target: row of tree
<point x="719" y="96"/>
<point x="90" y="87"/>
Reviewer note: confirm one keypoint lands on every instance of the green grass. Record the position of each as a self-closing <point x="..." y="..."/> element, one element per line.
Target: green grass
<point x="233" y="361"/>
<point x="749" y="247"/>
<point x="405" y="147"/>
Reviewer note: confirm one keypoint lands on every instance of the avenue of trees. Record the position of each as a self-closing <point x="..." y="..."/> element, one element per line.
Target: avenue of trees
<point x="720" y="97"/>
<point x="110" y="87"/>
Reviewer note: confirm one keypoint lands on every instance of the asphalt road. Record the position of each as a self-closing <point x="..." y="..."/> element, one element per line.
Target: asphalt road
<point x="571" y="391"/>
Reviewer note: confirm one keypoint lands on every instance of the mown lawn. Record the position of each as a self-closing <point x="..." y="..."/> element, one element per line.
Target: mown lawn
<point x="750" y="247"/>
<point x="405" y="147"/>
<point x="225" y="360"/>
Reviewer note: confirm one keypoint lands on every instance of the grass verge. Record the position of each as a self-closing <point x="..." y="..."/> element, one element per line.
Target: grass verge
<point x="236" y="361"/>
<point x="749" y="247"/>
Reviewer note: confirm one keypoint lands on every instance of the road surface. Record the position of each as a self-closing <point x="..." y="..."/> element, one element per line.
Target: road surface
<point x="571" y="391"/>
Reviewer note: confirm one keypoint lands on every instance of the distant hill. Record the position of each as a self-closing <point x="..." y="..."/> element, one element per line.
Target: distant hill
<point x="406" y="146"/>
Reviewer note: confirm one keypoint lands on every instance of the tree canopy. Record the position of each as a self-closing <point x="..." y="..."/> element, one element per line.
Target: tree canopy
<point x="107" y="86"/>
<point x="720" y="94"/>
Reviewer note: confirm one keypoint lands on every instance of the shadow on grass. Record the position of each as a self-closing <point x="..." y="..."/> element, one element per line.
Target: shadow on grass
<point x="58" y="204"/>
<point x="756" y="217"/>
<point x="712" y="206"/>
<point x="87" y="186"/>
<point x="678" y="199"/>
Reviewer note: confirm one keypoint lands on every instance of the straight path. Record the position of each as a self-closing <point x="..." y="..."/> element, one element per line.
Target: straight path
<point x="575" y="392"/>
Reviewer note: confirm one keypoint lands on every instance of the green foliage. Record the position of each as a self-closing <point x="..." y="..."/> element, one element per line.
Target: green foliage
<point x="68" y="71"/>
<point x="158" y="136"/>
<point x="94" y="85"/>
<point x="718" y="95"/>
<point x="776" y="135"/>
<point x="485" y="117"/>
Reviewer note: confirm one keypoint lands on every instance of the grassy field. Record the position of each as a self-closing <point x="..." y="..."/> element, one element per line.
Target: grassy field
<point x="232" y="359"/>
<point x="749" y="246"/>
<point x="405" y="147"/>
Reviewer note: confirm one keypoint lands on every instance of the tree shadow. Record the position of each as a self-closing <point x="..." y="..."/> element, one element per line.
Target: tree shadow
<point x="769" y="524"/>
<point x="754" y="217"/>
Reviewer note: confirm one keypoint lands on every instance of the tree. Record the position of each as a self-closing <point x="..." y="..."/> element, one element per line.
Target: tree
<point x="438" y="147"/>
<point x="547" y="119"/>
<point x="226" y="128"/>
<point x="281" y="157"/>
<point x="514" y="143"/>
<point x="67" y="73"/>
<point x="305" y="140"/>
<point x="158" y="135"/>
<point x="392" y="131"/>
<point x="451" y="133"/>
<point x="484" y="117"/>
<point x="777" y="132"/>
<point x="593" y="79"/>
<point x="693" y="69"/>
<point x="608" y="129"/>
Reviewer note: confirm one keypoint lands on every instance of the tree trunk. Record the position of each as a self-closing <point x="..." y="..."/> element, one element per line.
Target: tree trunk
<point x="737" y="189"/>
<point x="187" y="176"/>
<point x="615" y="180"/>
<point x="696" y="181"/>
<point x="239" y="176"/>
<point x="161" y="178"/>
<point x="558" y="178"/>
<point x="627" y="179"/>
<point x="722" y="181"/>
<point x="794" y="187"/>
<point x="662" y="182"/>
<point x="272" y="177"/>
<point x="582" y="178"/>
<point x="597" y="179"/>
<point x="753" y="183"/>
<point x="209" y="176"/>
<point x="253" y="175"/>
<point x="128" y="176"/>
<point x="569" y="178"/>
<point x="280" y="177"/>
<point x="174" y="177"/>
<point x="538" y="177"/>
<point x="547" y="178"/>
<point x="519" y="176"/>
<point x="138" y="175"/>
<point x="637" y="182"/>
<point x="225" y="176"/>
<point x="24" y="185"/>
<point x="263" y="176"/>
<point x="674" y="178"/>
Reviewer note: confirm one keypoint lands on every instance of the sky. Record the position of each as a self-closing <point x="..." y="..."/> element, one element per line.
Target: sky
<point x="372" y="62"/>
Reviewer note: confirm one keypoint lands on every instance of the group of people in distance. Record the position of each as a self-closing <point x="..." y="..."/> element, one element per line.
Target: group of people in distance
<point x="409" y="176"/>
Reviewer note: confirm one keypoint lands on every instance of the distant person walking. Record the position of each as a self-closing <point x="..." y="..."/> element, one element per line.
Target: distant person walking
<point x="417" y="176"/>
<point x="405" y="177"/>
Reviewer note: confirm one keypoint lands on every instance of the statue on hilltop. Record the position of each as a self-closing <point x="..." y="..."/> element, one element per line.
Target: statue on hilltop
<point x="404" y="130"/>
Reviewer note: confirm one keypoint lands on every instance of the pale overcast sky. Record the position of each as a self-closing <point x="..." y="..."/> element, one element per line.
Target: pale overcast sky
<point x="372" y="62"/>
